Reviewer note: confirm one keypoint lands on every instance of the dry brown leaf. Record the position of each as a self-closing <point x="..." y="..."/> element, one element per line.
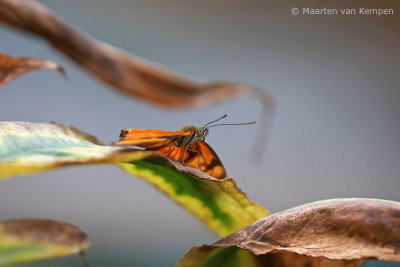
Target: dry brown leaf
<point x="11" y="68"/>
<point x="339" y="232"/>
<point x="125" y="72"/>
<point x="335" y="229"/>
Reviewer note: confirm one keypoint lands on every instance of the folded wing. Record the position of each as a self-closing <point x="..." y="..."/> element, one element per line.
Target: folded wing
<point x="148" y="138"/>
<point x="199" y="156"/>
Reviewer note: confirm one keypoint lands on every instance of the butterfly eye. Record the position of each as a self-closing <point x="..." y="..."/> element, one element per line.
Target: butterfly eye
<point x="200" y="133"/>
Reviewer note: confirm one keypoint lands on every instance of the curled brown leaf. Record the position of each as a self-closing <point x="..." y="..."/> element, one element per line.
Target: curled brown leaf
<point x="11" y="68"/>
<point x="127" y="73"/>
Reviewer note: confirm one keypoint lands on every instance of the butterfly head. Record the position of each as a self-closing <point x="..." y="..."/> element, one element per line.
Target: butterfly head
<point x="201" y="133"/>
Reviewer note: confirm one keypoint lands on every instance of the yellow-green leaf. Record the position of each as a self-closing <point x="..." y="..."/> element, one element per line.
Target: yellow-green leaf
<point x="32" y="147"/>
<point x="27" y="147"/>
<point x="209" y="256"/>
<point x="35" y="239"/>
<point x="218" y="203"/>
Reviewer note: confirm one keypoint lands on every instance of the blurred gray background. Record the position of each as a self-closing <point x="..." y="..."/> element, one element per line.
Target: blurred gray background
<point x="335" y="133"/>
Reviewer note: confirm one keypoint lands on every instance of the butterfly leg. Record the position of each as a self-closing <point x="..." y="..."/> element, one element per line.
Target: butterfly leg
<point x="184" y="154"/>
<point x="175" y="143"/>
<point x="170" y="151"/>
<point x="198" y="163"/>
<point x="198" y="158"/>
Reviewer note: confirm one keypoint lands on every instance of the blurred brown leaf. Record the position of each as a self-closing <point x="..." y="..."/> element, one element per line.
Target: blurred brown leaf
<point x="339" y="232"/>
<point x="35" y="239"/>
<point x="11" y="68"/>
<point x="43" y="231"/>
<point x="127" y="73"/>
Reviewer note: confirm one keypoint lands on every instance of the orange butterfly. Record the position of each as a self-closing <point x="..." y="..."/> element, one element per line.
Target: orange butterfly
<point x="186" y="145"/>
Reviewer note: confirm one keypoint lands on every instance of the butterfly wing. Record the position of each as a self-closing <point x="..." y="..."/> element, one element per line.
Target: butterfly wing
<point x="174" y="152"/>
<point x="199" y="156"/>
<point x="149" y="138"/>
<point x="206" y="160"/>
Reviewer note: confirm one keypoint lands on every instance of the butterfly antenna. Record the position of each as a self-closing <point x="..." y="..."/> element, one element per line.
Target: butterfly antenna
<point x="216" y="120"/>
<point x="242" y="123"/>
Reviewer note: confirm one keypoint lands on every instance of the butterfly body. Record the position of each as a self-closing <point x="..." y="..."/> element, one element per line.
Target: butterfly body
<point x="196" y="134"/>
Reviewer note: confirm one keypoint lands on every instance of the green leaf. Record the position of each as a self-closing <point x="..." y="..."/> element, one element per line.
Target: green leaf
<point x="32" y="147"/>
<point x="218" y="203"/>
<point x="337" y="232"/>
<point x="36" y="239"/>
<point x="206" y="256"/>
<point x="27" y="148"/>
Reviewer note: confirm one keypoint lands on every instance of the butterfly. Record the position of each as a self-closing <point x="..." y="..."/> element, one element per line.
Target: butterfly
<point x="186" y="145"/>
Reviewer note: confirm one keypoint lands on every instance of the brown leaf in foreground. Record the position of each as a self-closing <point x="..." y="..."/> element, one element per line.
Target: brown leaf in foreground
<point x="123" y="71"/>
<point x="339" y="232"/>
<point x="335" y="229"/>
<point x="27" y="240"/>
<point x="43" y="231"/>
<point x="11" y="68"/>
